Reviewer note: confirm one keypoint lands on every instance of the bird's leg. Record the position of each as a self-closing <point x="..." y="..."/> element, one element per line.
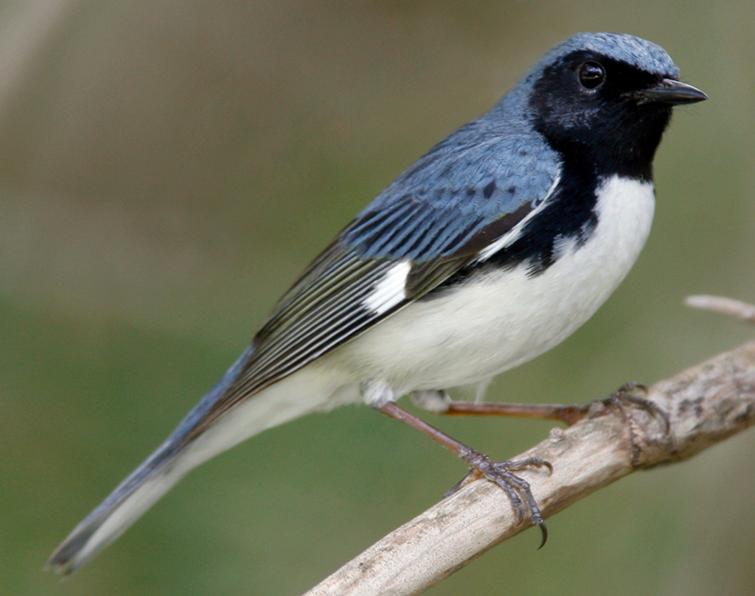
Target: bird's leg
<point x="501" y="473"/>
<point x="568" y="414"/>
<point x="440" y="403"/>
<point x="629" y="394"/>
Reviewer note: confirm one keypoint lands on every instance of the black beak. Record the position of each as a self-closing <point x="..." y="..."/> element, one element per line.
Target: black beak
<point x="671" y="92"/>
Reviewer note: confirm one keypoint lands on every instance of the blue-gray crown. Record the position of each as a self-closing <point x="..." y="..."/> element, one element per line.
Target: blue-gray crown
<point x="630" y="49"/>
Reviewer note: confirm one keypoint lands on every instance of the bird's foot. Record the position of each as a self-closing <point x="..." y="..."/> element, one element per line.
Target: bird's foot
<point x="634" y="394"/>
<point x="502" y="474"/>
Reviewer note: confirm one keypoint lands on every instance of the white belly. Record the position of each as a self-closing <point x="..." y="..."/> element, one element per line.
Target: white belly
<point x="507" y="318"/>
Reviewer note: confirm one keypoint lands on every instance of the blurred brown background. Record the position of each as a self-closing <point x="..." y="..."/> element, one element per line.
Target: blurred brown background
<point x="167" y="168"/>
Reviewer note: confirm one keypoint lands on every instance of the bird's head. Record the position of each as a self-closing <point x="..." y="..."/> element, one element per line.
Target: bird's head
<point x="608" y="96"/>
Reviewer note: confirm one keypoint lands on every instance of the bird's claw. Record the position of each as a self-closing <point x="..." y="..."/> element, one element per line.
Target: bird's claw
<point x="634" y="394"/>
<point x="503" y="475"/>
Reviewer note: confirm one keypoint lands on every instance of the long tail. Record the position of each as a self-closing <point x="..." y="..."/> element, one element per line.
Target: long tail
<point x="175" y="457"/>
<point x="138" y="492"/>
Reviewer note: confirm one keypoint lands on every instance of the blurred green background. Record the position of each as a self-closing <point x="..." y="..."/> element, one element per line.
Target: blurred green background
<point x="166" y="170"/>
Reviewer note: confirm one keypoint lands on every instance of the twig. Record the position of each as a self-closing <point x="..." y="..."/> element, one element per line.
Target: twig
<point x="724" y="306"/>
<point x="706" y="404"/>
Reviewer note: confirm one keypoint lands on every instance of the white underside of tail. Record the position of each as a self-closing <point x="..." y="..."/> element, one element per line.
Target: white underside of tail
<point x="310" y="389"/>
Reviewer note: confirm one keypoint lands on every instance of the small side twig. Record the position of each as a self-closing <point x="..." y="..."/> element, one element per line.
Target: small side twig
<point x="722" y="305"/>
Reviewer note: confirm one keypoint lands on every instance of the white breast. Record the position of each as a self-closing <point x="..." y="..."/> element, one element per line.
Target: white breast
<point x="507" y="317"/>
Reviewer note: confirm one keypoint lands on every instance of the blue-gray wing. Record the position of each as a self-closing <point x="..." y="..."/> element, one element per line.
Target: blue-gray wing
<point x="451" y="195"/>
<point x="427" y="225"/>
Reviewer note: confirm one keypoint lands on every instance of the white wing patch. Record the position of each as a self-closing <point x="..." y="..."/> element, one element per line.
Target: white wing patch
<point x="390" y="290"/>
<point x="515" y="232"/>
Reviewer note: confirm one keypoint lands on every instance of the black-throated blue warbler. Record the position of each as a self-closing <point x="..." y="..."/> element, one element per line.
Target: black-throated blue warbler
<point x="491" y="249"/>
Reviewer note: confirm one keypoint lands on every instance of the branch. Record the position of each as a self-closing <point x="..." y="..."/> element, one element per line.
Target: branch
<point x="706" y="404"/>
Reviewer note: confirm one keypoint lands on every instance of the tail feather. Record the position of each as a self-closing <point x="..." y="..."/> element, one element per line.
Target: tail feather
<point x="117" y="512"/>
<point x="141" y="489"/>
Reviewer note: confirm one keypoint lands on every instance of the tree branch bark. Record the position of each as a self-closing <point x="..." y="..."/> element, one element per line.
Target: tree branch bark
<point x="706" y="404"/>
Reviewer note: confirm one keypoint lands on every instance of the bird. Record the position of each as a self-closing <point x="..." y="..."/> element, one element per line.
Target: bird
<point x="492" y="248"/>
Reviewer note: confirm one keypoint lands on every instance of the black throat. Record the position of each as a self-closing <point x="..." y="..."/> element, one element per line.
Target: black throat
<point x="607" y="127"/>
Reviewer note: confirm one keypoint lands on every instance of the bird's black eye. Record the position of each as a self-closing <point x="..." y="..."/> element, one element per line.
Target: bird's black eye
<point x="591" y="75"/>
